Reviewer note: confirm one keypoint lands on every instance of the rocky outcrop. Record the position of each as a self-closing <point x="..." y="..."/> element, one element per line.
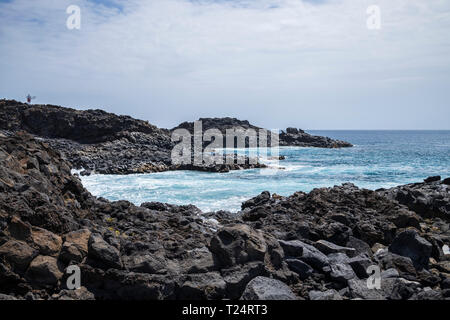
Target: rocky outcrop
<point x="316" y="245"/>
<point x="217" y="123"/>
<point x="105" y="143"/>
<point x="430" y="198"/>
<point x="83" y="126"/>
<point x="299" y="138"/>
<point x="327" y="236"/>
<point x="289" y="137"/>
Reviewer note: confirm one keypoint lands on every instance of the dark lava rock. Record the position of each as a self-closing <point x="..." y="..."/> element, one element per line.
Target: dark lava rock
<point x="262" y="288"/>
<point x="203" y="286"/>
<point x="360" y="264"/>
<point x="293" y="248"/>
<point x="341" y="272"/>
<point x="297" y="137"/>
<point x="103" y="252"/>
<point x="259" y="200"/>
<point x="305" y="252"/>
<point x="410" y="244"/>
<point x="273" y="249"/>
<point x="96" y="141"/>
<point x="84" y="126"/>
<point x="428" y="199"/>
<point x="17" y="253"/>
<point x="298" y="266"/>
<point x="45" y="270"/>
<point x="238" y="244"/>
<point x="292" y="136"/>
<point x="432" y="179"/>
<point x="330" y="294"/>
<point x="329" y="247"/>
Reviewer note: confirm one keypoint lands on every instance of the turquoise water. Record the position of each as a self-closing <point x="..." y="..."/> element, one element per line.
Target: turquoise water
<point x="378" y="159"/>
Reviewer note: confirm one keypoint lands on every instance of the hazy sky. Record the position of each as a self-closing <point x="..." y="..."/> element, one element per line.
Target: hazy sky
<point x="310" y="64"/>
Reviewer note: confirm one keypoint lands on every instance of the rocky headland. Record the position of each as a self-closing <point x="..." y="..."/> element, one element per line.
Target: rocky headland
<point x="289" y="137"/>
<point x="105" y="143"/>
<point x="315" y="245"/>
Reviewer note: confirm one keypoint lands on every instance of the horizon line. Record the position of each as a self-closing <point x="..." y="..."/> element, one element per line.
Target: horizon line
<point x="153" y="123"/>
<point x="376" y="129"/>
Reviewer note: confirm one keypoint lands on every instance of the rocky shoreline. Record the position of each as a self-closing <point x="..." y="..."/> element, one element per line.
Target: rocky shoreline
<point x="105" y="143"/>
<point x="313" y="246"/>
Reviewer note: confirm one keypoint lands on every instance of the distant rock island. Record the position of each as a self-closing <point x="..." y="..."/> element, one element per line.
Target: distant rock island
<point x="105" y="143"/>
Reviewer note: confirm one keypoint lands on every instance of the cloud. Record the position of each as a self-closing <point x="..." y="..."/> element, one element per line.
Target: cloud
<point x="276" y="62"/>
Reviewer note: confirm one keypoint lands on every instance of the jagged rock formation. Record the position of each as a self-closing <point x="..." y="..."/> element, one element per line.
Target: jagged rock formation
<point x="92" y="139"/>
<point x="314" y="245"/>
<point x="83" y="126"/>
<point x="290" y="137"/>
<point x="298" y="137"/>
<point x="431" y="198"/>
<point x="106" y="143"/>
<point x="217" y="123"/>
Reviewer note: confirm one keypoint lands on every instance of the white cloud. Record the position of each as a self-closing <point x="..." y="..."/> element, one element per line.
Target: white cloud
<point x="279" y="63"/>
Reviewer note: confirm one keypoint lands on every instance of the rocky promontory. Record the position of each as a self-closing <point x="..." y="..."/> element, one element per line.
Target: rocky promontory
<point x="315" y="246"/>
<point x="299" y="138"/>
<point x="289" y="137"/>
<point x="105" y="143"/>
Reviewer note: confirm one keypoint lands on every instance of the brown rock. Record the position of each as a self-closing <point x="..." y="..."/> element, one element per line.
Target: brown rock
<point x="406" y="218"/>
<point x="70" y="252"/>
<point x="80" y="239"/>
<point x="76" y="246"/>
<point x="45" y="270"/>
<point x="78" y="294"/>
<point x="18" y="254"/>
<point x="48" y="243"/>
<point x="19" y="229"/>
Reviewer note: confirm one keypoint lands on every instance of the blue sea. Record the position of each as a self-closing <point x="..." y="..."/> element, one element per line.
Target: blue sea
<point x="379" y="159"/>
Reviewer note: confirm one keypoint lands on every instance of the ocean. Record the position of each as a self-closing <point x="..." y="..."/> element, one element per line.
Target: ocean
<point x="379" y="159"/>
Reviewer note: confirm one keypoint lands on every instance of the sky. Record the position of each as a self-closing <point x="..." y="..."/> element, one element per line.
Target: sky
<point x="311" y="64"/>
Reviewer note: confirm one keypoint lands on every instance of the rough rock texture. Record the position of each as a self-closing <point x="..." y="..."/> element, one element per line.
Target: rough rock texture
<point x="429" y="199"/>
<point x="44" y="270"/>
<point x="298" y="137"/>
<point x="313" y="245"/>
<point x="262" y="288"/>
<point x="84" y="126"/>
<point x="290" y="137"/>
<point x="409" y="244"/>
<point x="105" y="143"/>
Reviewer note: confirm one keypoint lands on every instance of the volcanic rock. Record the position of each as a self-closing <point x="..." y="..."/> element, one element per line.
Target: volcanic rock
<point x="262" y="288"/>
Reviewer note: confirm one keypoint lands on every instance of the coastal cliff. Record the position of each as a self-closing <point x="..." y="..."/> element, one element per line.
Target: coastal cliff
<point x="315" y="245"/>
<point x="105" y="143"/>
